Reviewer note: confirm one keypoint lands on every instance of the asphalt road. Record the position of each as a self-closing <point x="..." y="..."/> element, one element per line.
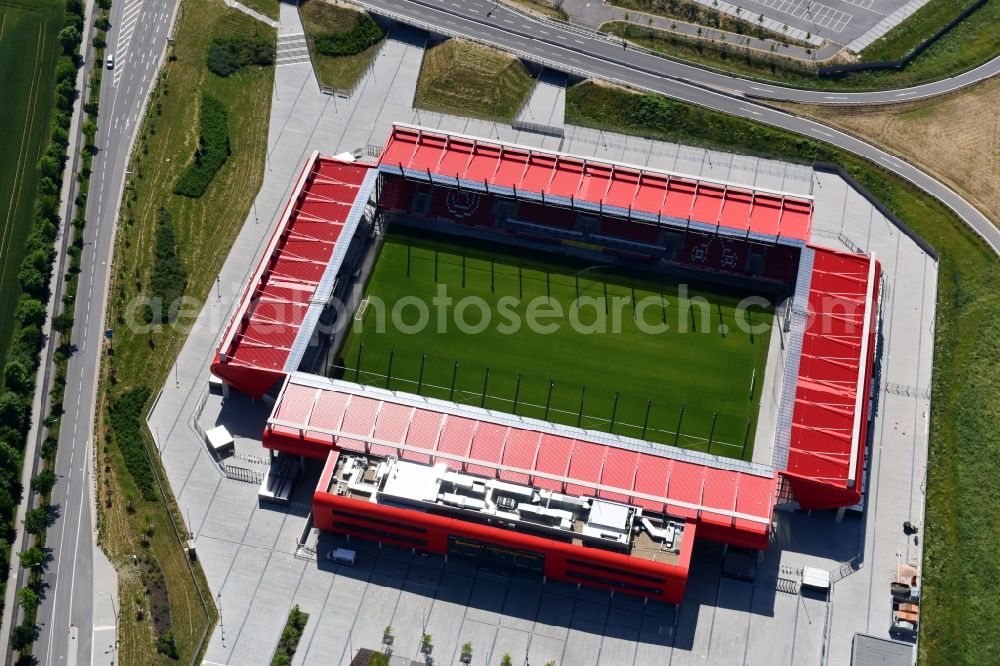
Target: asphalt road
<point x="573" y="44"/>
<point x="138" y="35"/>
<point x="575" y="52"/>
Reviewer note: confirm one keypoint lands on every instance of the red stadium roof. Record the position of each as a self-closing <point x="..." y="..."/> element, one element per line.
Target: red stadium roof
<point x="609" y="185"/>
<point x="258" y="341"/>
<point x="829" y="421"/>
<point x="313" y="416"/>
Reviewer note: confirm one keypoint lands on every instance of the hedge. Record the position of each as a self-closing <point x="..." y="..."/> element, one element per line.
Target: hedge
<point x="125" y="416"/>
<point x="212" y="152"/>
<point x="228" y="55"/>
<point x="364" y="33"/>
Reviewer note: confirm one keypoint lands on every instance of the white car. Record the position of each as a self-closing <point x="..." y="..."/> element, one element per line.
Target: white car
<point x="111" y="61"/>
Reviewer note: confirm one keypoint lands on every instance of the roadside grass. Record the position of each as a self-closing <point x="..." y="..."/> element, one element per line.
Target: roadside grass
<point x="468" y="79"/>
<point x="719" y="55"/>
<point x="914" y="29"/>
<point x="269" y="8"/>
<point x="205" y="228"/>
<point x="698" y="14"/>
<point x="964" y="47"/>
<point x="956" y="137"/>
<point x="963" y="514"/>
<point x="544" y="8"/>
<point x="338" y="72"/>
<point x="28" y="51"/>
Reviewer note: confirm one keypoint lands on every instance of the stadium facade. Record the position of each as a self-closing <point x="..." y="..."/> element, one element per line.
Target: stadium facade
<point x="573" y="504"/>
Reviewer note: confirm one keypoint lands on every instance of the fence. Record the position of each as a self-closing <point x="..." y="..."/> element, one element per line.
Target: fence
<point x="879" y="206"/>
<point x="244" y="474"/>
<point x="538" y="128"/>
<point x="833" y="70"/>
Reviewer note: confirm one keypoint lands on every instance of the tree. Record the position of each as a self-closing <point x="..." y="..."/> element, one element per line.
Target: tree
<point x="15" y="376"/>
<point x="23" y="636"/>
<point x="30" y="311"/>
<point x="90" y="129"/>
<point x="36" y="521"/>
<point x="28" y="599"/>
<point x="49" y="167"/>
<point x="69" y="37"/>
<point x="63" y="322"/>
<point x="505" y="660"/>
<point x="44" y="482"/>
<point x="33" y="558"/>
<point x="99" y="42"/>
<point x="13" y="411"/>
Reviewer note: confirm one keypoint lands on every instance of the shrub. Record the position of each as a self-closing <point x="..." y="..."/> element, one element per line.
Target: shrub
<point x="165" y="645"/>
<point x="169" y="278"/>
<point x="290" y="636"/>
<point x="125" y="415"/>
<point x="212" y="152"/>
<point x="228" y="55"/>
<point x="364" y="33"/>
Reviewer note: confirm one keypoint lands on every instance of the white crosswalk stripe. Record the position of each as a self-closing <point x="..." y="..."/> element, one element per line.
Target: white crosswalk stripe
<point x="130" y="17"/>
<point x="292" y="49"/>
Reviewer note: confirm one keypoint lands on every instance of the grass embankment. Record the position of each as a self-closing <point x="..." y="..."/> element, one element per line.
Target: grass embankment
<point x="963" y="516"/>
<point x="956" y="137"/>
<point x="470" y="79"/>
<point x="29" y="51"/>
<point x="544" y="329"/>
<point x="964" y="47"/>
<point x="158" y="593"/>
<point x="342" y="42"/>
<point x="544" y="8"/>
<point x="269" y="8"/>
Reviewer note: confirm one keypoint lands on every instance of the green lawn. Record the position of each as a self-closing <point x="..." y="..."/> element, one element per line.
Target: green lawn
<point x="28" y="51"/>
<point x="690" y="365"/>
<point x="469" y="79"/>
<point x="268" y="8"/>
<point x="963" y="510"/>
<point x="321" y="18"/>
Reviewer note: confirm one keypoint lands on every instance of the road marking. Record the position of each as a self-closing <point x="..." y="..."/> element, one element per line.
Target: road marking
<point x="834" y="97"/>
<point x="750" y="111"/>
<point x="127" y="26"/>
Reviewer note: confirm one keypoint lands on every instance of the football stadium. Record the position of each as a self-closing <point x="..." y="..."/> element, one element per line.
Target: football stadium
<point x="555" y="364"/>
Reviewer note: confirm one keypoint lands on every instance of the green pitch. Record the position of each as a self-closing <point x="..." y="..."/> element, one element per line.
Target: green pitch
<point x="660" y="358"/>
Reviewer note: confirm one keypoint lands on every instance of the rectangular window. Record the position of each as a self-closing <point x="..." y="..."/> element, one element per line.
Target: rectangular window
<point x="350" y="515"/>
<point x="617" y="584"/>
<point x="612" y="570"/>
<point x="379" y="535"/>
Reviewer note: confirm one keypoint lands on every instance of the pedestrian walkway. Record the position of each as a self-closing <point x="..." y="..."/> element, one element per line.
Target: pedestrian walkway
<point x="292" y="49"/>
<point x="252" y="12"/>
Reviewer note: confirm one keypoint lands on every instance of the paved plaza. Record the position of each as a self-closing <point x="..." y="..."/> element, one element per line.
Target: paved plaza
<point x="250" y="553"/>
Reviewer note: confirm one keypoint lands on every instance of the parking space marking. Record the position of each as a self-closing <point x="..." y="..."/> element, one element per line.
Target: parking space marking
<point x="820" y="14"/>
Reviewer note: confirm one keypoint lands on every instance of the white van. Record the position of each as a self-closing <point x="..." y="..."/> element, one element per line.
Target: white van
<point x="342" y="556"/>
<point x="111" y="61"/>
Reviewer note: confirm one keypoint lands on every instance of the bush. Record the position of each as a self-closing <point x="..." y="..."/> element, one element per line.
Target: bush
<point x="290" y="636"/>
<point x="364" y="33"/>
<point x="125" y="416"/>
<point x="213" y="149"/>
<point x="169" y="277"/>
<point x="44" y="482"/>
<point x="228" y="55"/>
<point x="166" y="645"/>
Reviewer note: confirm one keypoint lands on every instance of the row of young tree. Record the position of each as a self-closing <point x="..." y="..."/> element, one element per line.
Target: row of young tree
<point x="23" y="357"/>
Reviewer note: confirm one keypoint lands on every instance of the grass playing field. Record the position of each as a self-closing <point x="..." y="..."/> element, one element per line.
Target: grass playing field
<point x="587" y="356"/>
<point x="28" y="51"/>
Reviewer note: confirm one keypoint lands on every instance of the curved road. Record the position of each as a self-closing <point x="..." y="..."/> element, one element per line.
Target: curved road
<point x="583" y="41"/>
<point x="581" y="53"/>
